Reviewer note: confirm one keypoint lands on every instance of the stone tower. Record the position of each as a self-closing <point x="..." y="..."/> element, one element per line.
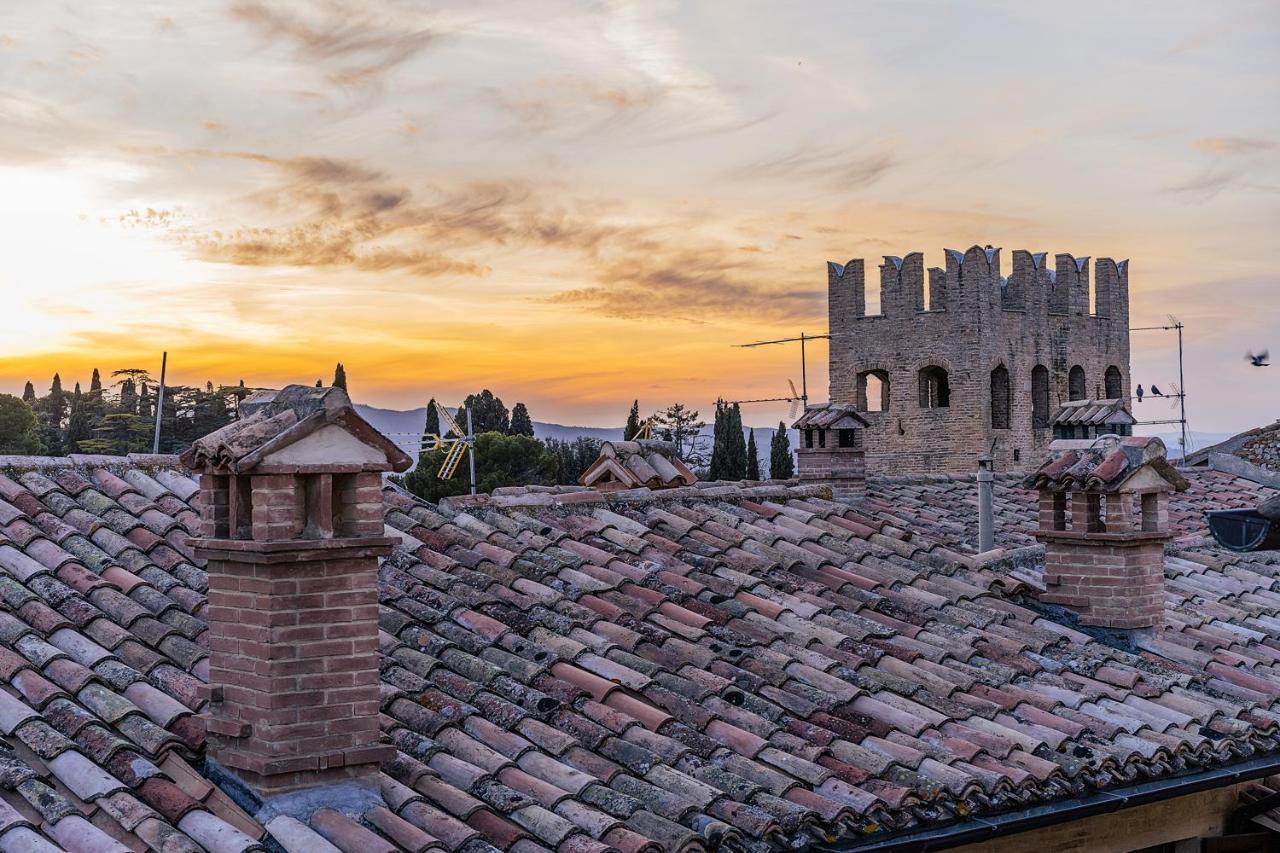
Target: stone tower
<point x="966" y="361"/>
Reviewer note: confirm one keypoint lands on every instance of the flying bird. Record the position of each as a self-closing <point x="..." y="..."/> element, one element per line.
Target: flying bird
<point x="1156" y="392"/>
<point x="1139" y="392"/>
<point x="1259" y="360"/>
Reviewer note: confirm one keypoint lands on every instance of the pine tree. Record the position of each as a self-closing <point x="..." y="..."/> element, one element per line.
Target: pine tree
<point x="29" y="394"/>
<point x="340" y="377"/>
<point x="432" y="426"/>
<point x="488" y="414"/>
<point x="781" y="464"/>
<point x="521" y="423"/>
<point x="632" y="428"/>
<point x="753" y="458"/>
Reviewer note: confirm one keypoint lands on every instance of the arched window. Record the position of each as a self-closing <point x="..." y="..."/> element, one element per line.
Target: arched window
<point x="1000" y="397"/>
<point x="873" y="391"/>
<point x="1040" y="397"/>
<point x="935" y="389"/>
<point x="1075" y="384"/>
<point x="1113" y="382"/>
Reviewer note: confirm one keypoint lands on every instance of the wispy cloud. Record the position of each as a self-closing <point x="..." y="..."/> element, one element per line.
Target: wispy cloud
<point x="1233" y="145"/>
<point x="352" y="43"/>
<point x="834" y="167"/>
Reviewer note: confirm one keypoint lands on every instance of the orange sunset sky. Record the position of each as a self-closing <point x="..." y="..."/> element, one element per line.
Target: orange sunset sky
<point x="581" y="203"/>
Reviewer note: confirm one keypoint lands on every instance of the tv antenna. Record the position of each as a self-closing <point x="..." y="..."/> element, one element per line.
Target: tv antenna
<point x="1179" y="392"/>
<point x="796" y="400"/>
<point x="459" y="444"/>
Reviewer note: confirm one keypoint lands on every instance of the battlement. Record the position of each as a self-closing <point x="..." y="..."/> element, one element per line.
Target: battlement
<point x="968" y="357"/>
<point x="973" y="280"/>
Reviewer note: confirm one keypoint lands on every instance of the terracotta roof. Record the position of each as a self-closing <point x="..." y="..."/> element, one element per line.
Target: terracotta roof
<point x="945" y="506"/>
<point x="272" y="420"/>
<point x="1103" y="465"/>
<point x="830" y="416"/>
<point x="634" y="464"/>
<point x="576" y="671"/>
<point x="1092" y="412"/>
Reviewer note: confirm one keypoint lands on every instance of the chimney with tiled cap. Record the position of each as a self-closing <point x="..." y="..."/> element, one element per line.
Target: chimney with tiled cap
<point x="292" y="529"/>
<point x="1104" y="519"/>
<point x="831" y="451"/>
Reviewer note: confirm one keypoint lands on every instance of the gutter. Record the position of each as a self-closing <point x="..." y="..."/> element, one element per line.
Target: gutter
<point x="1101" y="802"/>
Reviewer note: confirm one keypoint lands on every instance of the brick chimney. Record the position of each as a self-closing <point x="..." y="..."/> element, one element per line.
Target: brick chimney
<point x="1104" y="520"/>
<point x="291" y="530"/>
<point x="831" y="451"/>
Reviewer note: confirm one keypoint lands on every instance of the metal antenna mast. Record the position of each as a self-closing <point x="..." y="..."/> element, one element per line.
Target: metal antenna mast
<point x="804" y="372"/>
<point x="1174" y="324"/>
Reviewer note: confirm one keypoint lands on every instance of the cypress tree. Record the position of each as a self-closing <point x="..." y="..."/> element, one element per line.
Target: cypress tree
<point x="432" y="426"/>
<point x="781" y="464"/>
<point x="319" y="383"/>
<point x="633" y="422"/>
<point x="753" y="458"/>
<point x="51" y="412"/>
<point x="79" y="425"/>
<point x="340" y="377"/>
<point x="144" y="402"/>
<point x="95" y="384"/>
<point x="521" y="423"/>
<point x="735" y="443"/>
<point x="128" y="397"/>
<point x="719" y="447"/>
<point x="29" y="394"/>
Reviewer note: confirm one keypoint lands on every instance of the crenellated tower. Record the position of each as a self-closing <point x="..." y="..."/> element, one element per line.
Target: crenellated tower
<point x="962" y="359"/>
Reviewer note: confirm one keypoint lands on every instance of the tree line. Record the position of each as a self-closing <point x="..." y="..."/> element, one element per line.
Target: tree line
<point x="508" y="454"/>
<point x="115" y="418"/>
<point x="118" y="416"/>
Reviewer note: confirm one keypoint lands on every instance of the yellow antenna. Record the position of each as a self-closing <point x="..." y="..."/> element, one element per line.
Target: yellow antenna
<point x="459" y="443"/>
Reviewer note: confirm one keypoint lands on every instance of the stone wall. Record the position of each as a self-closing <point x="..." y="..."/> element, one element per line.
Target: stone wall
<point x="1263" y="448"/>
<point x="974" y="320"/>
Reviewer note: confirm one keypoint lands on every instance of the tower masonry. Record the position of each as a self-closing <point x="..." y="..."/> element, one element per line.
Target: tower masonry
<point x="964" y="360"/>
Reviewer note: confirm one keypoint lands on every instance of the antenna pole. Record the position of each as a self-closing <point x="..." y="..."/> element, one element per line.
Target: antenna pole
<point x="164" y="363"/>
<point x="1182" y="393"/>
<point x="804" y="373"/>
<point x="471" y="449"/>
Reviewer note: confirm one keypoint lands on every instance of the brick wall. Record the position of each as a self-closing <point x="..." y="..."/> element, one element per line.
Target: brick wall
<point x="1028" y="320"/>
<point x="294" y="641"/>
<point x="842" y="468"/>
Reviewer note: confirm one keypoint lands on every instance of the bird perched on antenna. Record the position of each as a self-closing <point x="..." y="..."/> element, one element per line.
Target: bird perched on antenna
<point x="1139" y="392"/>
<point x="1156" y="392"/>
<point x="1259" y="360"/>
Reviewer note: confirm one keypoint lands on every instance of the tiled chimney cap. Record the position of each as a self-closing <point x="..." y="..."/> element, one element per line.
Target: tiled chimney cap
<point x="631" y="464"/>
<point x="272" y="420"/>
<point x="830" y="416"/>
<point x="1092" y="413"/>
<point x="1105" y="464"/>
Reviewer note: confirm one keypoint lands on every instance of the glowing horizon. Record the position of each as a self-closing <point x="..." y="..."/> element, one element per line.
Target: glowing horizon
<point x="581" y="206"/>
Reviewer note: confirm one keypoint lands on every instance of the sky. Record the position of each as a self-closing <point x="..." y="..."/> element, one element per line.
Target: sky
<point x="578" y="204"/>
